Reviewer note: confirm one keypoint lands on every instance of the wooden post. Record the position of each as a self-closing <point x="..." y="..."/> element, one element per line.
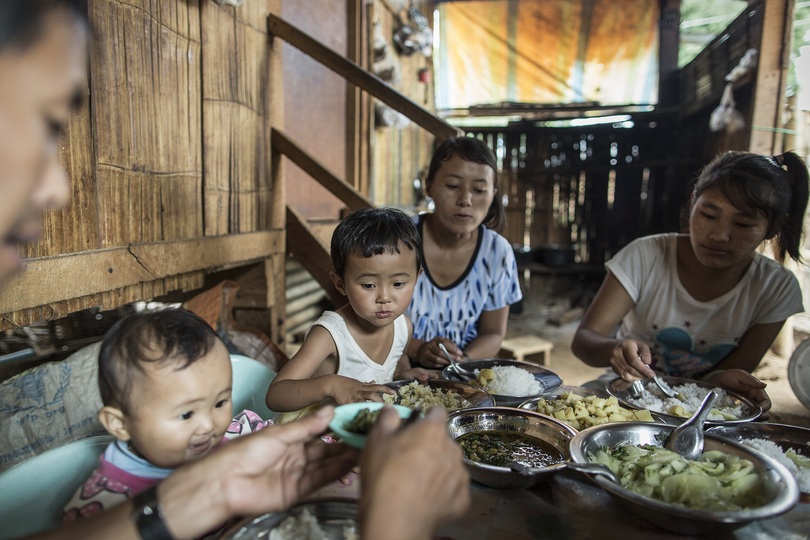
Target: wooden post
<point x="769" y="92"/>
<point x="668" y="41"/>
<point x="275" y="267"/>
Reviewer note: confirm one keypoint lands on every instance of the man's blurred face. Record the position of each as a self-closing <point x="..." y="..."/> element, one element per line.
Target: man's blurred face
<point x="40" y="86"/>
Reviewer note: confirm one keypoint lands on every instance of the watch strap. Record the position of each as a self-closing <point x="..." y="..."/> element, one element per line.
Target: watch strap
<point x="148" y="517"/>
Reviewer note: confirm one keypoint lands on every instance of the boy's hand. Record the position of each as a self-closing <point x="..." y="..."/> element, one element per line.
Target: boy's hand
<point x="420" y="374"/>
<point x="347" y="390"/>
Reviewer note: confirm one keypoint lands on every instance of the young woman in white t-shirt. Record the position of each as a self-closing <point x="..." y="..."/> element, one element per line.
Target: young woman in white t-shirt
<point x="706" y="304"/>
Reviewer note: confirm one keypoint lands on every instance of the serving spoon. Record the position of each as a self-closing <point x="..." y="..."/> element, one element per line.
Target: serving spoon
<point x="587" y="468"/>
<point x="462" y="372"/>
<point x="687" y="439"/>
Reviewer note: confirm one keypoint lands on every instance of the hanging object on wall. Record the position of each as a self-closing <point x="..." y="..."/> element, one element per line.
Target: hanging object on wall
<point x="726" y="117"/>
<point x="414" y="35"/>
<point x="385" y="116"/>
<point x="384" y="65"/>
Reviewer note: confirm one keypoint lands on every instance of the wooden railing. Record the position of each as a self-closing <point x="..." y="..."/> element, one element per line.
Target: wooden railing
<point x="361" y="78"/>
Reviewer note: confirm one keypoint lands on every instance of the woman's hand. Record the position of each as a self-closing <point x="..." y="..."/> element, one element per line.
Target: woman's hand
<point x="266" y="471"/>
<point x="347" y="390"/>
<point x="431" y="356"/>
<point x="745" y="384"/>
<point x="631" y="360"/>
<point x="419" y="374"/>
<point x="413" y="480"/>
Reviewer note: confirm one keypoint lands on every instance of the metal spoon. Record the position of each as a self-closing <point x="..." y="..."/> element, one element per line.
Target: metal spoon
<point x="587" y="468"/>
<point x="687" y="439"/>
<point x="664" y="387"/>
<point x="462" y="372"/>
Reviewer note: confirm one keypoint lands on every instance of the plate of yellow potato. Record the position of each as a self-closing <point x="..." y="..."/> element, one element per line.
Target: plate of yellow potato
<point x="582" y="408"/>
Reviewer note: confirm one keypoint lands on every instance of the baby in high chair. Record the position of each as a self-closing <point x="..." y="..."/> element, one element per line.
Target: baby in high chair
<point x="165" y="380"/>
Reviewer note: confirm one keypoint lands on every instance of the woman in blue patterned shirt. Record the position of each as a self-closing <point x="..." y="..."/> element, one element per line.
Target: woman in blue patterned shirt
<point x="470" y="276"/>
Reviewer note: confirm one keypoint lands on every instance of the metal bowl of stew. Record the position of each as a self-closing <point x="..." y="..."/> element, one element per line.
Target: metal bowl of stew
<point x="547" y="435"/>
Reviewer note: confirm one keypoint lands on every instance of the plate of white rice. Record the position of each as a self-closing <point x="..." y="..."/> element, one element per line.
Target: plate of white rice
<point x="510" y="382"/>
<point x="730" y="408"/>
<point x="789" y="445"/>
<point x="325" y="519"/>
<point x="451" y="395"/>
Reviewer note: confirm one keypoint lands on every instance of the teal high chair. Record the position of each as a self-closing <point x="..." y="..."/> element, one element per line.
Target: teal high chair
<point x="33" y="493"/>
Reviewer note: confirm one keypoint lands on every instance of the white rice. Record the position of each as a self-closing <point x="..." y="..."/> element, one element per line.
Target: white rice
<point x="422" y="396"/>
<point x="513" y="381"/>
<point x="771" y="449"/>
<point x="691" y="395"/>
<point x="305" y="526"/>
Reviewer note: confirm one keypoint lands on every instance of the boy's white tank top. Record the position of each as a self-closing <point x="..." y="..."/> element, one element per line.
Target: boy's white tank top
<point x="352" y="361"/>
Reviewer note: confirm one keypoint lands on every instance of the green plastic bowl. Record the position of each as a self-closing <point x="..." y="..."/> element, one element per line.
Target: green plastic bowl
<point x="346" y="413"/>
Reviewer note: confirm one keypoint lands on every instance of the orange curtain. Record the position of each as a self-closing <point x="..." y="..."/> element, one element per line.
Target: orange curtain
<point x="546" y="51"/>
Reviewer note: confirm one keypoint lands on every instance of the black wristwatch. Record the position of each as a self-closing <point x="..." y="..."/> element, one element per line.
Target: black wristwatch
<point x="148" y="517"/>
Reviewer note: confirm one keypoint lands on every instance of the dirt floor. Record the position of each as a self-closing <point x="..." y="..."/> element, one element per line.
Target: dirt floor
<point x="538" y="308"/>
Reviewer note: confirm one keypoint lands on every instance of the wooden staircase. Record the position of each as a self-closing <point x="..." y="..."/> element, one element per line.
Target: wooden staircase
<point x="302" y="241"/>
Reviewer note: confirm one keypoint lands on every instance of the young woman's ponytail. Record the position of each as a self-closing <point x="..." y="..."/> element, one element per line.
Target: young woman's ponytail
<point x="790" y="234"/>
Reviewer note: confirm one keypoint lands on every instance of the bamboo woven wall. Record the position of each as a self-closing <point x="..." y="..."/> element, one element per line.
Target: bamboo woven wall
<point x="169" y="153"/>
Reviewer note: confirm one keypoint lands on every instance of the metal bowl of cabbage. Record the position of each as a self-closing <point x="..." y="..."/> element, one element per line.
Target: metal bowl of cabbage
<point x="548" y="380"/>
<point x="547" y="439"/>
<point x="766" y="488"/>
<point x="582" y="407"/>
<point x="452" y="395"/>
<point x="332" y="519"/>
<point x="732" y="407"/>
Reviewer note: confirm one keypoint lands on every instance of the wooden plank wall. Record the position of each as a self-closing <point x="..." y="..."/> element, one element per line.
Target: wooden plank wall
<point x="170" y="150"/>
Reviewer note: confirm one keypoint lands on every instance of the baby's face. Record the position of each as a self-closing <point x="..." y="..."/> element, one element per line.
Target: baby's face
<point x="179" y="416"/>
<point x="379" y="288"/>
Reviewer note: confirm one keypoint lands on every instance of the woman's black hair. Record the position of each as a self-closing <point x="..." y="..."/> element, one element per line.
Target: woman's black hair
<point x="374" y="231"/>
<point x="21" y="21"/>
<point x="775" y="186"/>
<point x="475" y="151"/>
<point x="150" y="337"/>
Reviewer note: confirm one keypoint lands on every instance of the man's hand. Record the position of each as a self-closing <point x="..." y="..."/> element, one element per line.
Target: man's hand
<point x="266" y="471"/>
<point x="413" y="480"/>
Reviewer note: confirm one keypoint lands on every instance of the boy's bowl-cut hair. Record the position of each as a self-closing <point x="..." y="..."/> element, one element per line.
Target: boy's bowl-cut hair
<point x="374" y="231"/>
<point x="173" y="335"/>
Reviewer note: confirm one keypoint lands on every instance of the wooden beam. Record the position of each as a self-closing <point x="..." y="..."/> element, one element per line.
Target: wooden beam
<point x="369" y="82"/>
<point x="340" y="189"/>
<point x="55" y="279"/>
<point x="305" y="247"/>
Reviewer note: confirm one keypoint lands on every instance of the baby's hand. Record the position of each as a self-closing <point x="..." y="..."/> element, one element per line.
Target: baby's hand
<point x="420" y="374"/>
<point x="348" y="390"/>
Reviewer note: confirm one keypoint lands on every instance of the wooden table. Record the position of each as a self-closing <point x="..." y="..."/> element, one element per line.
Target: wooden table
<point x="569" y="506"/>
